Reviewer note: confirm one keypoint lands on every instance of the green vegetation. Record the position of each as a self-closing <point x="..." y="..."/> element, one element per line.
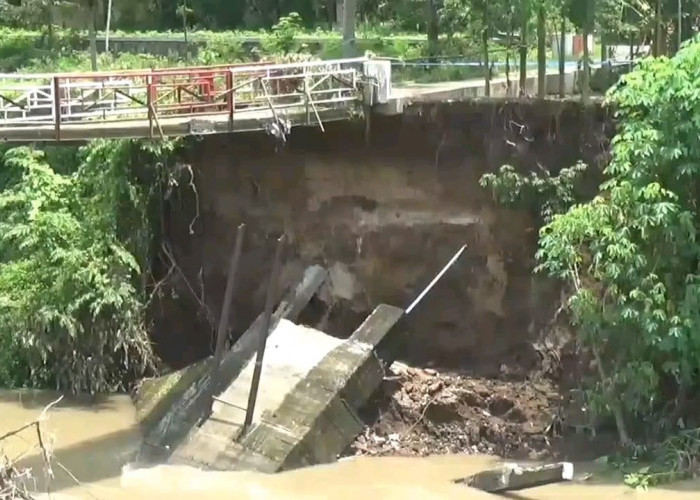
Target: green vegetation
<point x="77" y="226"/>
<point x="74" y="257"/>
<point x="629" y="258"/>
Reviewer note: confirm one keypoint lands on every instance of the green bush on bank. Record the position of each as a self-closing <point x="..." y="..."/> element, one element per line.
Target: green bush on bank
<point x="629" y="260"/>
<point x="19" y="48"/>
<point x="75" y="239"/>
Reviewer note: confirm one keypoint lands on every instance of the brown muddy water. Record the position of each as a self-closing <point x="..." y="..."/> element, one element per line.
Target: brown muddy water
<point x="95" y="440"/>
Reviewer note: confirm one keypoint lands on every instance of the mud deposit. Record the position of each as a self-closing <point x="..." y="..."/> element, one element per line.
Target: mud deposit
<point x="425" y="411"/>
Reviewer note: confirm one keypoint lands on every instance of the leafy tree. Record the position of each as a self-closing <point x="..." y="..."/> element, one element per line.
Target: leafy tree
<point x="73" y="250"/>
<point x="630" y="257"/>
<point x="553" y="194"/>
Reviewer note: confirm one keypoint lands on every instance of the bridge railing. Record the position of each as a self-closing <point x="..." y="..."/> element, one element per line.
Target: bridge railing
<point x="158" y="95"/>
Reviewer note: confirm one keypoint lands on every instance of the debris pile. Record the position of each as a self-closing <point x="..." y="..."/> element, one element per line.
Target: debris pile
<point x="13" y="480"/>
<point x="427" y="412"/>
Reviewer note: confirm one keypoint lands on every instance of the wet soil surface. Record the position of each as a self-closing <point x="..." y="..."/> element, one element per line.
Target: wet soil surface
<point x="422" y="411"/>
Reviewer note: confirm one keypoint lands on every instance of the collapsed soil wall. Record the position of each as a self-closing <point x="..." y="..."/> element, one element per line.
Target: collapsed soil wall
<point x="383" y="217"/>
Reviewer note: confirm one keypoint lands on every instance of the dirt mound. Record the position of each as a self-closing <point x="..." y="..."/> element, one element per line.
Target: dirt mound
<point x="425" y="412"/>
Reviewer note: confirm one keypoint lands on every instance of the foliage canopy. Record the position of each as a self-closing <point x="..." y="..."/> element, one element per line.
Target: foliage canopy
<point x="74" y="248"/>
<point x="630" y="257"/>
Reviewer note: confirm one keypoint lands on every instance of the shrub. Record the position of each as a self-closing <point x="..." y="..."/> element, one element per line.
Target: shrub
<point x="73" y="250"/>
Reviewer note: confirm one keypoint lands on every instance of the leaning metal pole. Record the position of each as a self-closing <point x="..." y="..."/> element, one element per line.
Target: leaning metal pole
<point x="224" y="318"/>
<point x="262" y="335"/>
<point x="435" y="280"/>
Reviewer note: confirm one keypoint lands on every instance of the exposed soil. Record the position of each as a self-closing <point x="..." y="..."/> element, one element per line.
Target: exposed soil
<point x="422" y="411"/>
<point x="382" y="216"/>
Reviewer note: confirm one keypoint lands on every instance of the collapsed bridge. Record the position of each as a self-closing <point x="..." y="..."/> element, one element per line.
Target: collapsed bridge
<point x="314" y="385"/>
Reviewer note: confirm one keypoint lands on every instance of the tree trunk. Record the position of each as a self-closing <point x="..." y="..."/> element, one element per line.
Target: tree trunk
<point x="433" y="32"/>
<point x="330" y="14"/>
<point x="613" y="401"/>
<point x="511" y="30"/>
<point x="184" y="23"/>
<point x="349" y="43"/>
<point x="679" y="25"/>
<point x="631" y="56"/>
<point x="339" y="8"/>
<point x="523" y="46"/>
<point x="508" y="72"/>
<point x="585" y="78"/>
<point x="487" y="67"/>
<point x="656" y="48"/>
<point x="92" y="35"/>
<point x="562" y="54"/>
<point x="541" y="52"/>
<point x="49" y="24"/>
<point x="603" y="49"/>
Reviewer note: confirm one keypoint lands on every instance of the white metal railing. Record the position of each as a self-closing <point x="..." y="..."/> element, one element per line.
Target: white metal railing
<point x="154" y="95"/>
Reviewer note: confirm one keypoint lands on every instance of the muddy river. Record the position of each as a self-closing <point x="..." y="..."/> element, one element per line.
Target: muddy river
<point x="94" y="441"/>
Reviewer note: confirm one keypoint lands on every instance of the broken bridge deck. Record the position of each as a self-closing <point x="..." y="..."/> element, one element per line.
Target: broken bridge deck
<point x="292" y="351"/>
<point x="312" y="387"/>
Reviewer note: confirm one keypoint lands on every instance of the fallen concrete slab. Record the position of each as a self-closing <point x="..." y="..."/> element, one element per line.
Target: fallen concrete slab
<point x="309" y="423"/>
<point x="171" y="406"/>
<point x="292" y="352"/>
<point x="513" y="477"/>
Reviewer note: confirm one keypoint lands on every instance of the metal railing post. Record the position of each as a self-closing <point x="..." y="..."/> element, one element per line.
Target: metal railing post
<point x="262" y="336"/>
<point x="57" y="107"/>
<point x="230" y="99"/>
<point x="306" y="98"/>
<point x="149" y="103"/>
<point x="224" y="318"/>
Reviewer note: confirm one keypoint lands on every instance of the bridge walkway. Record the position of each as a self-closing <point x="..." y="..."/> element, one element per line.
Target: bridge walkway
<point x="220" y="99"/>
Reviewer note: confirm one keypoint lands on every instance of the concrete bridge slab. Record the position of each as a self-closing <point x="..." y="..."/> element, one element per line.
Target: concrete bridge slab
<point x="292" y="351"/>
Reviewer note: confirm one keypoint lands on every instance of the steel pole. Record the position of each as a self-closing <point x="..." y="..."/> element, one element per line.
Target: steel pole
<point x="224" y="318"/>
<point x="435" y="280"/>
<point x="263" y="334"/>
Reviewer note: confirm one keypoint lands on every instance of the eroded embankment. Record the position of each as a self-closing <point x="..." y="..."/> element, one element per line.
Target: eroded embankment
<point x="383" y="218"/>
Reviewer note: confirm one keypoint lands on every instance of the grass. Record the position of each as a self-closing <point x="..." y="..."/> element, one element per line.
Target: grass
<point x="28" y="52"/>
